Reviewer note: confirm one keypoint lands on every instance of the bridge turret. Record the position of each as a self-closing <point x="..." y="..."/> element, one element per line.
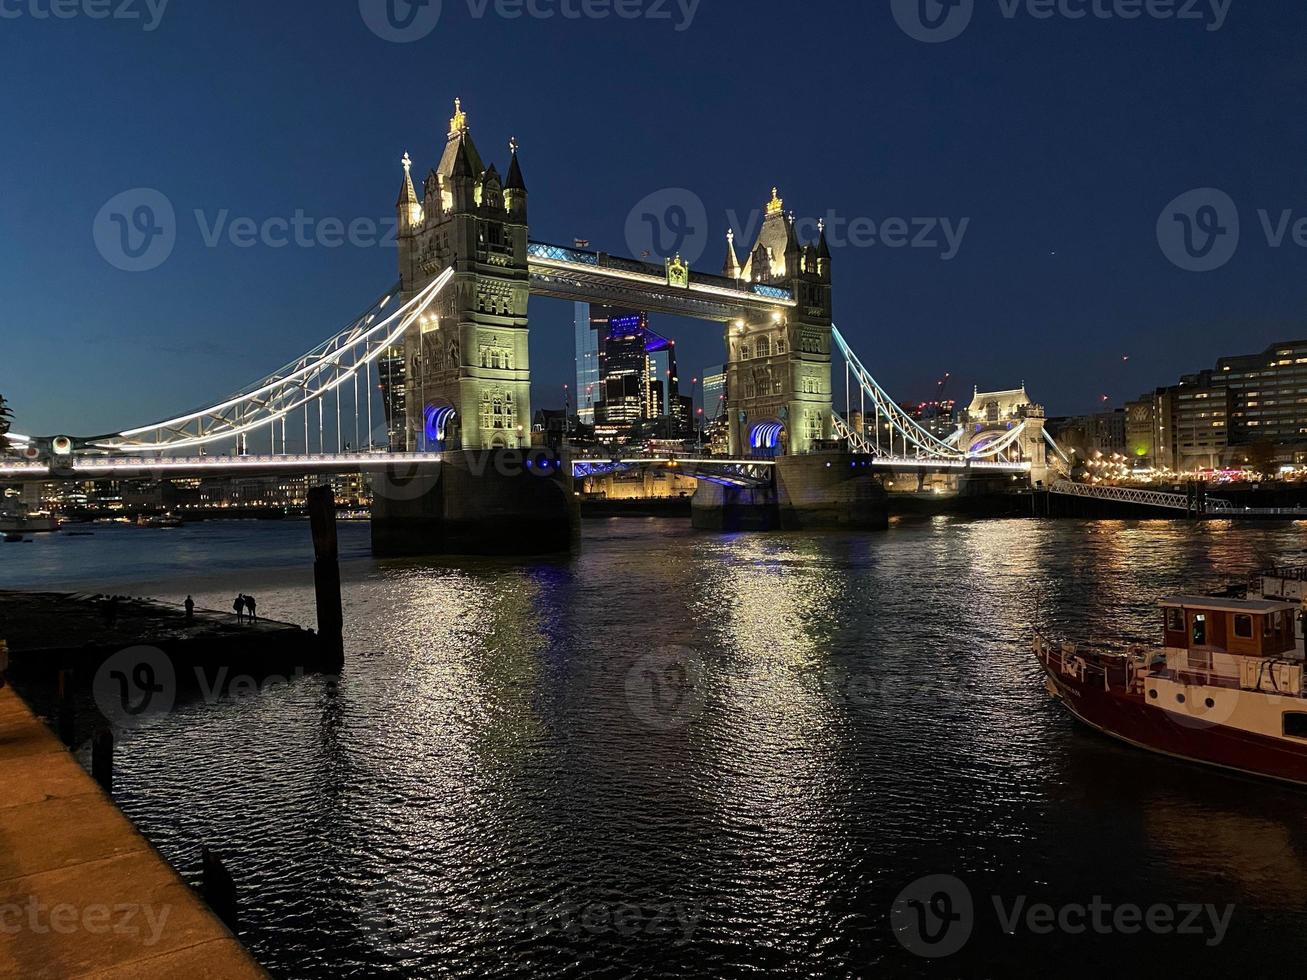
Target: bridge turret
<point x="732" y="269"/>
<point x="779" y="363"/>
<point x="515" y="188"/>
<point x="823" y="253"/>
<point x="407" y="207"/>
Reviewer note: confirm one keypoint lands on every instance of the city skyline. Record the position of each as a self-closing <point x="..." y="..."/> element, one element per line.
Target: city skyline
<point x="1020" y="291"/>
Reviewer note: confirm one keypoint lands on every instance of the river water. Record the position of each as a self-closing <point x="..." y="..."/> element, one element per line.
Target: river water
<point x="680" y="754"/>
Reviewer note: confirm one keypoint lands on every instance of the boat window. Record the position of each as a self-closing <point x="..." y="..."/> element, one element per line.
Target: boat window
<point x="1200" y="629"/>
<point x="1267" y="626"/>
<point x="1295" y="724"/>
<point x="1243" y="626"/>
<point x="1175" y="620"/>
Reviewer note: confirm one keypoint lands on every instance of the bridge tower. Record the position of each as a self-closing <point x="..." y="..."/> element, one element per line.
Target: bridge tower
<point x="778" y="363"/>
<point x="467" y="366"/>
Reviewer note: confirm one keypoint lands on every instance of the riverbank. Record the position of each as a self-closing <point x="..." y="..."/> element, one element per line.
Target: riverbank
<point x="82" y="892"/>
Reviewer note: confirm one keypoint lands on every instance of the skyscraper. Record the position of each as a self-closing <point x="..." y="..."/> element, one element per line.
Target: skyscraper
<point x="714" y="392"/>
<point x="623" y="373"/>
<point x="588" y="390"/>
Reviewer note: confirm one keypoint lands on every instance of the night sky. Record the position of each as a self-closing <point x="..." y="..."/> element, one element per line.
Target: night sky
<point x="1058" y="141"/>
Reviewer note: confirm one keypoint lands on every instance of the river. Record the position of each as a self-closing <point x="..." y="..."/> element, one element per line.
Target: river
<point x="681" y="754"/>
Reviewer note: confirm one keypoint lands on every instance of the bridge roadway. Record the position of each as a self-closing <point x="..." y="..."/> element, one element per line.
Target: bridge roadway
<point x="721" y="469"/>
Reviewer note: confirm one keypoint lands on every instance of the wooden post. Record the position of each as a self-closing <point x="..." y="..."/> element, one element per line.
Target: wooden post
<point x="67" y="709"/>
<point x="102" y="759"/>
<point x="218" y="889"/>
<point x="326" y="576"/>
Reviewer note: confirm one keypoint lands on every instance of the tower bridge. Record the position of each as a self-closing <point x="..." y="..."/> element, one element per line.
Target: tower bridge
<point x="441" y="365"/>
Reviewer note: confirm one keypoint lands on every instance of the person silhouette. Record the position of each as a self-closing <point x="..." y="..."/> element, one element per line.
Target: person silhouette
<point x="239" y="606"/>
<point x="190" y="609"/>
<point x="252" y="607"/>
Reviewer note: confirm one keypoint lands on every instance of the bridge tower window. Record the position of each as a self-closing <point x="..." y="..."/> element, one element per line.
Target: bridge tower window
<point x="764" y="347"/>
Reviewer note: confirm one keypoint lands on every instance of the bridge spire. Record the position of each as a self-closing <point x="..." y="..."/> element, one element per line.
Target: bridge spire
<point x="458" y="123"/>
<point x="515" y="187"/>
<point x="733" y="270"/>
<point x="410" y="211"/>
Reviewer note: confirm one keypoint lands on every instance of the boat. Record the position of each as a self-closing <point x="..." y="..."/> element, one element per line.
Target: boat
<point x="160" y="520"/>
<point x="16" y="519"/>
<point x="1223" y="688"/>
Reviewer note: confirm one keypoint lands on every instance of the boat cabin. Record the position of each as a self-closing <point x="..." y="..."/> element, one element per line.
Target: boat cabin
<point x="1242" y="627"/>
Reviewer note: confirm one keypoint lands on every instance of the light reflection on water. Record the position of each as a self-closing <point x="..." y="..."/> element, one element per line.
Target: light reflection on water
<point x="862" y="710"/>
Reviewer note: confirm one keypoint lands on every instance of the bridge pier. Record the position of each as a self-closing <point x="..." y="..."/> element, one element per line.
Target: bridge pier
<point x="819" y="491"/>
<point x="477" y="502"/>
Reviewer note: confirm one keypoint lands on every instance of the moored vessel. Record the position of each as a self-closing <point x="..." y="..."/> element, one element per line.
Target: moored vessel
<point x="1224" y="687"/>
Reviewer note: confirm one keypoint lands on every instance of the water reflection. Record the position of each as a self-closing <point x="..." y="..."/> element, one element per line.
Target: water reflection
<point x="863" y="711"/>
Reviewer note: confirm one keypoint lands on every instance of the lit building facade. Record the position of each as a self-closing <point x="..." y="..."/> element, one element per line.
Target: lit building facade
<point x="589" y="391"/>
<point x="714" y="392"/>
<point x="1249" y="408"/>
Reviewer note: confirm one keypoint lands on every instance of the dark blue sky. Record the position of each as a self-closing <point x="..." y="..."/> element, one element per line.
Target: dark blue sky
<point x="1061" y="140"/>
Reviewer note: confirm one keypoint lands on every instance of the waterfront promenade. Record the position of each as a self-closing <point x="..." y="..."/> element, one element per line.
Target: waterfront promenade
<point x="82" y="893"/>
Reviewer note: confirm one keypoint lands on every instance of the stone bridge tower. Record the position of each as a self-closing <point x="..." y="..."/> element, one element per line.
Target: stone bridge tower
<point x="778" y="364"/>
<point x="467" y="380"/>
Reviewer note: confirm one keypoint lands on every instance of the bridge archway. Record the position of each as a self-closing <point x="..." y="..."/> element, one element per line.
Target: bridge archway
<point x="768" y="439"/>
<point x="440" y="427"/>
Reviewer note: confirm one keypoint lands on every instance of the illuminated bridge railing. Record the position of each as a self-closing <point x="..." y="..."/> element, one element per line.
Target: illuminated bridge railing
<point x="557" y="253"/>
<point x="546" y="252"/>
<point x="1145" y="498"/>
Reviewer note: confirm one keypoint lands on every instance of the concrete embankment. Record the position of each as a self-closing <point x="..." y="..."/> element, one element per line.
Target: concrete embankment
<point x="82" y="892"/>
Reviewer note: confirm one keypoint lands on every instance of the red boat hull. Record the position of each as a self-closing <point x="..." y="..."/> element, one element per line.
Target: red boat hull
<point x="1127" y="717"/>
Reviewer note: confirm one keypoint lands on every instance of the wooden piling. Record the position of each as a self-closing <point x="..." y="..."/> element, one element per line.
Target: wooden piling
<point x="326" y="576"/>
<point x="219" y="889"/>
<point x="67" y="706"/>
<point x="102" y="759"/>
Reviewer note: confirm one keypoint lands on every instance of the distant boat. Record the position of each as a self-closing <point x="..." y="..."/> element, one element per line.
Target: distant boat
<point x="16" y="520"/>
<point x="160" y="520"/>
